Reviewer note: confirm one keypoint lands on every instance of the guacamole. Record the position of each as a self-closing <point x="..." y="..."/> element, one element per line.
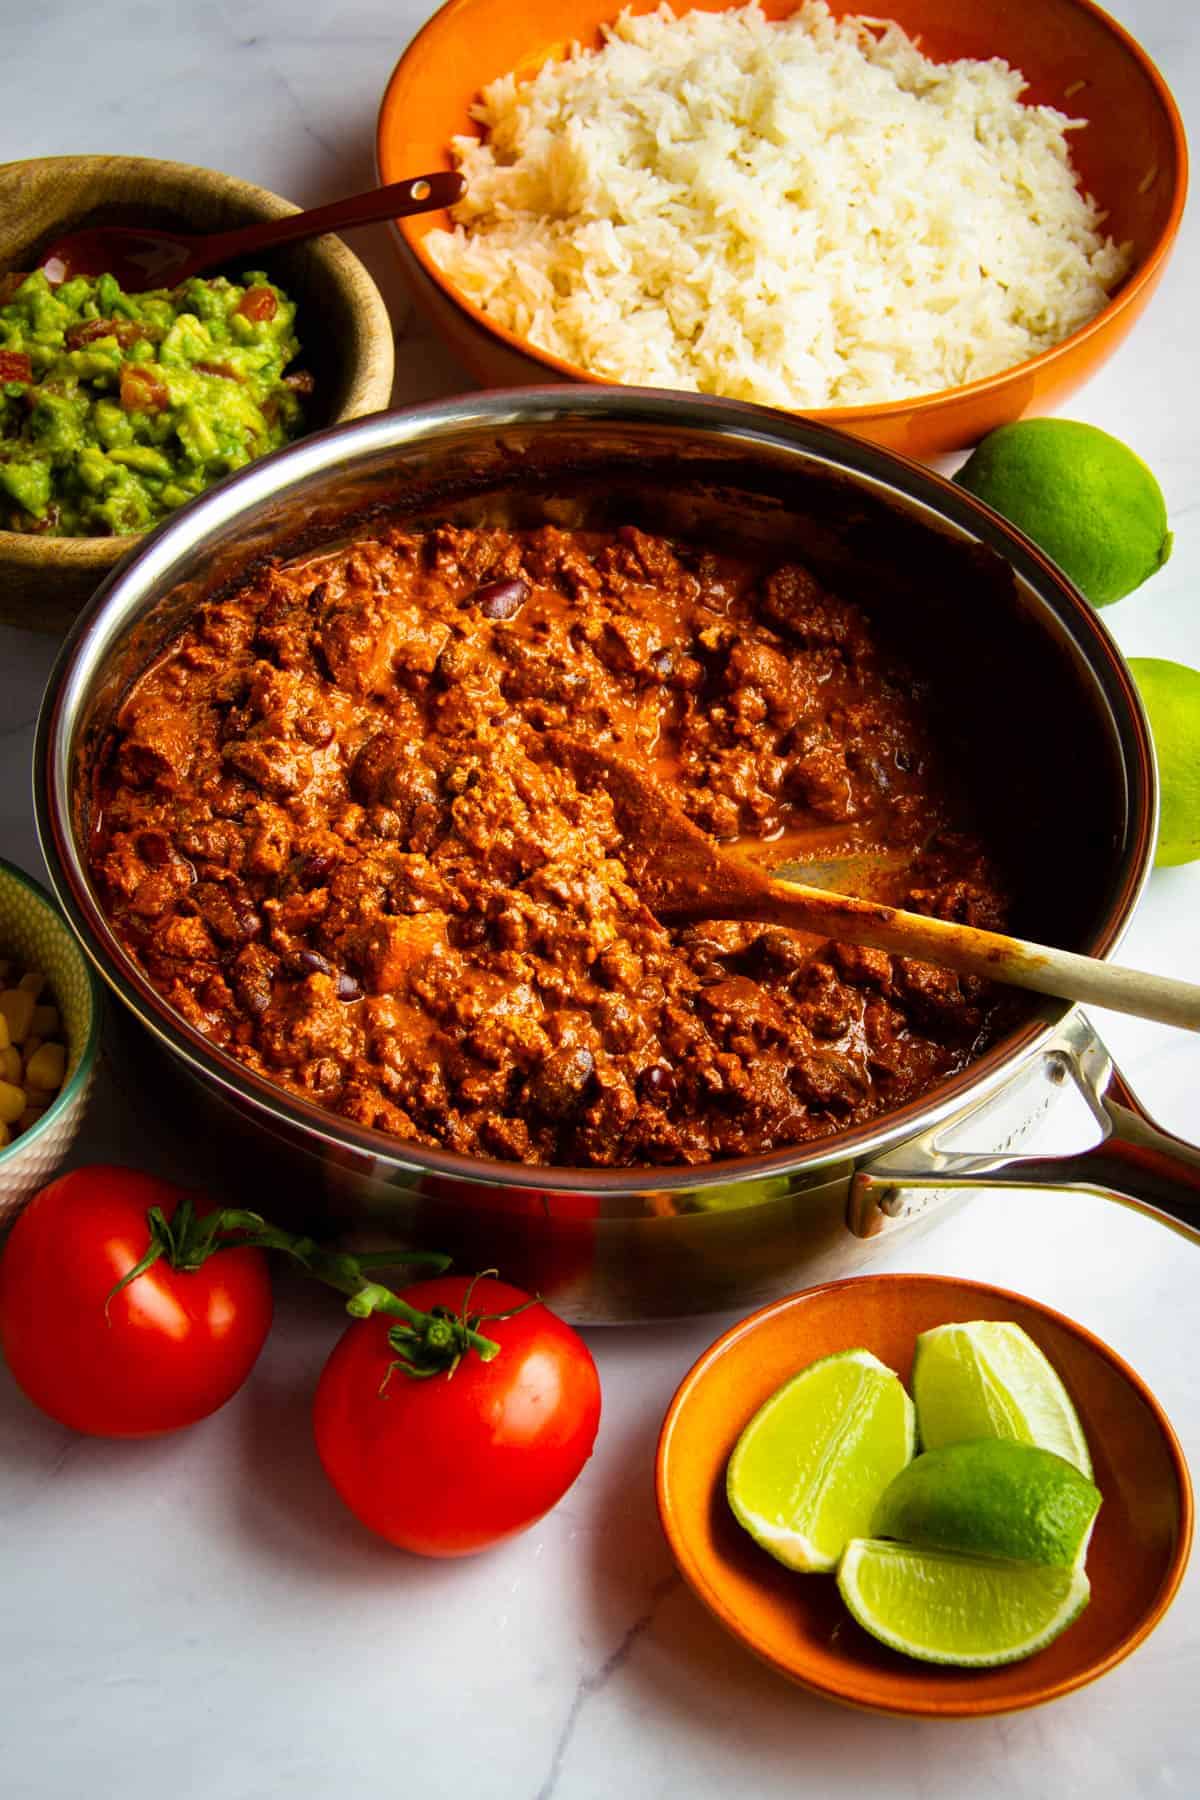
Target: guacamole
<point x="115" y="408"/>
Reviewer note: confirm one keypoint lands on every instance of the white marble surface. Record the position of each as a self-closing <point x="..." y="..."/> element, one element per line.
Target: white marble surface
<point x="198" y="1614"/>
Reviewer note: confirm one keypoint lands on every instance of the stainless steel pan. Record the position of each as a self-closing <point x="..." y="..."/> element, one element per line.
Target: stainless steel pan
<point x="1047" y="723"/>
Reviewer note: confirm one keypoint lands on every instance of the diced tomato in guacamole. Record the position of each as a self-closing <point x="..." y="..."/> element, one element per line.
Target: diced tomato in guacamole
<point x="116" y="408"/>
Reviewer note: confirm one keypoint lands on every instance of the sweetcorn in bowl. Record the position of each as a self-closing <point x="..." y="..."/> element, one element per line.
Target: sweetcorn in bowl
<point x="35" y="936"/>
<point x="1131" y="158"/>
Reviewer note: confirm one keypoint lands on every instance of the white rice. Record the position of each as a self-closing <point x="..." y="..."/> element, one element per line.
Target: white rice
<point x="808" y="213"/>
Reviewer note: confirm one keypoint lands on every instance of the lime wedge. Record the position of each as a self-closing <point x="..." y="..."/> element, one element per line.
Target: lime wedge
<point x="987" y="1378"/>
<point x="809" y="1469"/>
<point x="994" y="1498"/>
<point x="944" y="1606"/>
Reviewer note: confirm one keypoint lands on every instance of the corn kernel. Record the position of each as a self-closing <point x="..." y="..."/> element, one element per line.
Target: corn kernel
<point x="33" y="1055"/>
<point x="16" y="1007"/>
<point x="12" y="1102"/>
<point x="45" y="1069"/>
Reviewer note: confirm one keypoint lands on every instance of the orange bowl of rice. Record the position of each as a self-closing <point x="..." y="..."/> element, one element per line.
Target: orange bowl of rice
<point x="915" y="228"/>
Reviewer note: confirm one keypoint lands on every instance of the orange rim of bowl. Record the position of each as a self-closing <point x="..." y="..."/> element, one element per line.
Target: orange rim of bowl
<point x="413" y="234"/>
<point x="950" y="1708"/>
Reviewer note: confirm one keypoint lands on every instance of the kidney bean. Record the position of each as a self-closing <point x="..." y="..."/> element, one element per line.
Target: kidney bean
<point x="314" y="868"/>
<point x="656" y="1084"/>
<point x="314" y="962"/>
<point x="501" y="599"/>
<point x="249" y="922"/>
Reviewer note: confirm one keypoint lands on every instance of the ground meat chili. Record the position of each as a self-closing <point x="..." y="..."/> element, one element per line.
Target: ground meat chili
<point x="331" y="835"/>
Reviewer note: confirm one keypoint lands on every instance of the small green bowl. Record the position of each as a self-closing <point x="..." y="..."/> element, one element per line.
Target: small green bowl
<point x="33" y="932"/>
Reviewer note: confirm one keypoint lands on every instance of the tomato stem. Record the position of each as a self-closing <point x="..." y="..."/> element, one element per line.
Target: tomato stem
<point x="426" y="1343"/>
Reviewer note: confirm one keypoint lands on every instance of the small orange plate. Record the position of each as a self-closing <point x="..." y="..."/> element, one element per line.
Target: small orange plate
<point x="797" y="1623"/>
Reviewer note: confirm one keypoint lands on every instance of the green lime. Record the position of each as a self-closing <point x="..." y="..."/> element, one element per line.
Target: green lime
<point x="993" y="1498"/>
<point x="944" y="1607"/>
<point x="1171" y="694"/>
<point x="986" y="1378"/>
<point x="1081" y="495"/>
<point x="808" y="1470"/>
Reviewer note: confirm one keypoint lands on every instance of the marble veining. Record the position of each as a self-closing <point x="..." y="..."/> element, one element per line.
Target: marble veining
<point x="592" y="1685"/>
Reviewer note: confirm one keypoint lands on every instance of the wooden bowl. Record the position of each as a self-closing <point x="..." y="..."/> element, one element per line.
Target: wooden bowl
<point x="797" y="1623"/>
<point x="1132" y="158"/>
<point x="347" y="340"/>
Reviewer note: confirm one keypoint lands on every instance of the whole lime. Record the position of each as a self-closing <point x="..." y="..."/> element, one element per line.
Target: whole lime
<point x="1081" y="495"/>
<point x="993" y="1497"/>
<point x="1171" y="694"/>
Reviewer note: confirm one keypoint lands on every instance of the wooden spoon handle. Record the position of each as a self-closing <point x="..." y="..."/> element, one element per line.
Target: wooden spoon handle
<point x="683" y="875"/>
<point x="970" y="951"/>
<point x="421" y="193"/>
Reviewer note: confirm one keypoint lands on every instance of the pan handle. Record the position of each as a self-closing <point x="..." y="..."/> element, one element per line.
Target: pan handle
<point x="1130" y="1159"/>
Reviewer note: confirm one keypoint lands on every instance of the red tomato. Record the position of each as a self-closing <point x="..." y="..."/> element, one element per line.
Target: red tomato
<point x="142" y="390"/>
<point x="258" y="303"/>
<point x="450" y="1463"/>
<point x="172" y="1346"/>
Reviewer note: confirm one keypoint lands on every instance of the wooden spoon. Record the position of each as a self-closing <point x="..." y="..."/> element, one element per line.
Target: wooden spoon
<point x="142" y="257"/>
<point x="681" y="874"/>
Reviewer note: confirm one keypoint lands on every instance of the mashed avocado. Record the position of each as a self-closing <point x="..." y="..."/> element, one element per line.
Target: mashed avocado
<point x="115" y="408"/>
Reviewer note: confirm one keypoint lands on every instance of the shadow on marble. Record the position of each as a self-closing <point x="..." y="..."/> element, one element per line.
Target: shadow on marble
<point x="36" y="1451"/>
<point x="707" y="1689"/>
<point x="283" y="1504"/>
